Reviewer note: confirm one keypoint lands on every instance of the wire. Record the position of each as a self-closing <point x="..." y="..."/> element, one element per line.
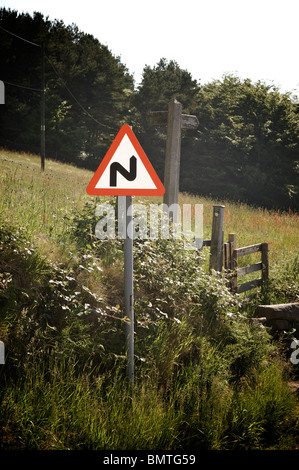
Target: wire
<point x="73" y="96"/>
<point x="21" y="86"/>
<point x="63" y="82"/>
<point x="19" y="37"/>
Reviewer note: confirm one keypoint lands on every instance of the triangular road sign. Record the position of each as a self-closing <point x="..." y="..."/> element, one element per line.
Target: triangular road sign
<point x="125" y="170"/>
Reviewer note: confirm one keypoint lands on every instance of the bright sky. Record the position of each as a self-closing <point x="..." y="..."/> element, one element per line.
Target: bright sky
<point x="256" y="39"/>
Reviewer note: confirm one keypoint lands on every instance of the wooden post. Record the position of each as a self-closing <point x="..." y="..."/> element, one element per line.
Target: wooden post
<point x="216" y="256"/>
<point x="232" y="239"/>
<point x="226" y="251"/>
<point x="265" y="262"/>
<point x="173" y="156"/>
<point x="175" y="121"/>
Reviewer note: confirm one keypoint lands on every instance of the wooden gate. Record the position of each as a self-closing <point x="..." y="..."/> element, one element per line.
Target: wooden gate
<point x="231" y="262"/>
<point x="226" y="255"/>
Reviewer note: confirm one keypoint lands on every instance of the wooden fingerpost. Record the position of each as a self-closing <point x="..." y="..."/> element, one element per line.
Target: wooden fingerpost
<point x="175" y="121"/>
<point x="173" y="156"/>
<point x="216" y="254"/>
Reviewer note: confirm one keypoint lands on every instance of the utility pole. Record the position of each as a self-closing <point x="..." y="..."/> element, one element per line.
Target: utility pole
<point x="43" y="126"/>
<point x="2" y="92"/>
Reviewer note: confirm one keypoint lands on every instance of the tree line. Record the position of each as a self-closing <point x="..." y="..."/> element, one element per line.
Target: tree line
<point x="246" y="147"/>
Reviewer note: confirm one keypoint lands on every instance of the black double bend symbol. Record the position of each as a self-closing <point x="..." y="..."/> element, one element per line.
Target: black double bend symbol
<point x="117" y="167"/>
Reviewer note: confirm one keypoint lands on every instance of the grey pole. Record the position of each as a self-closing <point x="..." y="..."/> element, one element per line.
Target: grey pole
<point x="129" y="298"/>
<point x="43" y="125"/>
<point x="2" y="92"/>
<point x="2" y="353"/>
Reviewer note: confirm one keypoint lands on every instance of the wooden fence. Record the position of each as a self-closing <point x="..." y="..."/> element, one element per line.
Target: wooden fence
<point x="225" y="255"/>
<point x="232" y="263"/>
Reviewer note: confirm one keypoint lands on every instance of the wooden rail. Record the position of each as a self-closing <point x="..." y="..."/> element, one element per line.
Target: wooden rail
<point x="226" y="255"/>
<point x="262" y="266"/>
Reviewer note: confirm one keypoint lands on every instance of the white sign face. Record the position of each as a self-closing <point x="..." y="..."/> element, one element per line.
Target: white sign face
<point x="138" y="176"/>
<point x="125" y="170"/>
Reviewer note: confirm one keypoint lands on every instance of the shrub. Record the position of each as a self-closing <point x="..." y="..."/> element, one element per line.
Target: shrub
<point x="208" y="371"/>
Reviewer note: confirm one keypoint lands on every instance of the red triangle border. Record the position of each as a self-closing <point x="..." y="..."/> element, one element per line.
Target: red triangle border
<point x="93" y="191"/>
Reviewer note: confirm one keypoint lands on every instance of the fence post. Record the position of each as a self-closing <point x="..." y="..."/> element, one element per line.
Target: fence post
<point x="226" y="256"/>
<point x="216" y="256"/>
<point x="265" y="262"/>
<point x="232" y="238"/>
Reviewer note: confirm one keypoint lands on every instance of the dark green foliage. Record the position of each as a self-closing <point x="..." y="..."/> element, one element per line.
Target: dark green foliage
<point x="209" y="372"/>
<point x="246" y="146"/>
<point x="45" y="310"/>
<point x="284" y="284"/>
<point x="87" y="89"/>
<point x="159" y="85"/>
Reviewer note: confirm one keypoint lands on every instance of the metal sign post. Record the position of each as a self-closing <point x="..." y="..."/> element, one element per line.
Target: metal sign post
<point x="43" y="125"/>
<point x="129" y="294"/>
<point x="126" y="171"/>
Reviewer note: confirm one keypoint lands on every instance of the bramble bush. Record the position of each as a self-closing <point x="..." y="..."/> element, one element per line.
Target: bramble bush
<point x="198" y="356"/>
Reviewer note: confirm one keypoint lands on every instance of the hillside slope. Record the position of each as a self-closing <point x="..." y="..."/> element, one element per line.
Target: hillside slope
<point x="198" y="356"/>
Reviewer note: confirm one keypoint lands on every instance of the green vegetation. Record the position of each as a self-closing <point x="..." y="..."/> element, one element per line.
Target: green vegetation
<point x="217" y="380"/>
<point x="246" y="146"/>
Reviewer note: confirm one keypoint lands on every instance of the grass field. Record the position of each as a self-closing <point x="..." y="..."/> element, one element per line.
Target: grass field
<point x="50" y="196"/>
<point x="218" y="381"/>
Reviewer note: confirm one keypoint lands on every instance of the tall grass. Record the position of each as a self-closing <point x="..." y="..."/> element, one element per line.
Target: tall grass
<point x="57" y="408"/>
<point x="206" y="378"/>
<point x="41" y="202"/>
<point x="49" y="199"/>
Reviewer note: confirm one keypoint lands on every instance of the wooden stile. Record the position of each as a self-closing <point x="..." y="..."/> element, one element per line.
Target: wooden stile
<point x="262" y="266"/>
<point x="225" y="255"/>
<point x="249" y="269"/>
